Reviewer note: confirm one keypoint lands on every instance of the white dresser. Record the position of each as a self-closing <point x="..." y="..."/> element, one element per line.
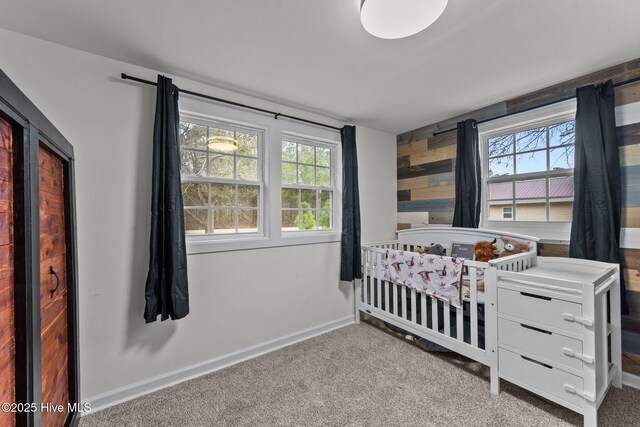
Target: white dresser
<point x="558" y="331"/>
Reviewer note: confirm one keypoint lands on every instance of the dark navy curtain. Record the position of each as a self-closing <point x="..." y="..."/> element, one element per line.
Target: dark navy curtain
<point x="350" y="244"/>
<point x="468" y="178"/>
<point x="166" y="290"/>
<point x="595" y="228"/>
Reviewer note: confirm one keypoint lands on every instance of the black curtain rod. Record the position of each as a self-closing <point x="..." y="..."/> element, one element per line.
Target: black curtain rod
<point x="237" y="104"/>
<point x="557" y="101"/>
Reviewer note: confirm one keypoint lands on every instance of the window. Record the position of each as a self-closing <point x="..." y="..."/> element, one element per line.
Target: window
<point x="257" y="196"/>
<point x="307" y="185"/>
<point x="222" y="191"/>
<point x="507" y="212"/>
<point x="529" y="172"/>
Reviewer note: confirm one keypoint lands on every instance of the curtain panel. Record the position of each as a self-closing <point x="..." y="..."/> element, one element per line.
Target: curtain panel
<point x="350" y="255"/>
<point x="468" y="176"/>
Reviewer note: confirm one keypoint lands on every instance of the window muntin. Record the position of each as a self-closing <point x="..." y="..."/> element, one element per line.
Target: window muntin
<point x="530" y="171"/>
<point x="222" y="191"/>
<point x="307" y="185"/>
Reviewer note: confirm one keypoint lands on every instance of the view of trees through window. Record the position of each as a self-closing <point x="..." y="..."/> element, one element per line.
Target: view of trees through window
<point x="530" y="173"/>
<point x="307" y="190"/>
<point x="221" y="190"/>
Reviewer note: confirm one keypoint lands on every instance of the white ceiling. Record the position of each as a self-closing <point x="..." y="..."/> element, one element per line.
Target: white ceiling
<point x="315" y="55"/>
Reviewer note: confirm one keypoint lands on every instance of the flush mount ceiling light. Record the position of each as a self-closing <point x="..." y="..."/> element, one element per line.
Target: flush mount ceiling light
<point x="223" y="143"/>
<point x="394" y="19"/>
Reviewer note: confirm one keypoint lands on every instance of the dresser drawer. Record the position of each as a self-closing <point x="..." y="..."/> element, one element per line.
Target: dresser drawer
<point x="539" y="343"/>
<point x="540" y="309"/>
<point x="531" y="374"/>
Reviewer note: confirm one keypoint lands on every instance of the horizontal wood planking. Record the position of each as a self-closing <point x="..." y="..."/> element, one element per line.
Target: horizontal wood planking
<point x="441" y="166"/>
<point x="630" y="155"/>
<point x="435" y="205"/>
<point x="410" y="183"/>
<point x="441" y="192"/>
<point x="627" y="94"/>
<point x="629" y="134"/>
<point x="434" y="155"/>
<point x="553" y="249"/>
<point x="415" y="147"/>
<point x="404" y="195"/>
<point x="631" y="217"/>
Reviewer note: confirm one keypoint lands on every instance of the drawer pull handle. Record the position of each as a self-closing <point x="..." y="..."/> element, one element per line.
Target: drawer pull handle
<point x="572" y="390"/>
<point x="571" y="353"/>
<point x="571" y="318"/>
<point x="527" y="294"/>
<point x="536" y="329"/>
<point x="528" y="359"/>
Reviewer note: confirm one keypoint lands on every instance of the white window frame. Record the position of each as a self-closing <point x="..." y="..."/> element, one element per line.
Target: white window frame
<point x="510" y="212"/>
<point x="307" y="140"/>
<point x="271" y="234"/>
<point x="555" y="113"/>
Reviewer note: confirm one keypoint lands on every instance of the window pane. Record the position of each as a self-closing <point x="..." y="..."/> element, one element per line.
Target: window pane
<point x="562" y="134"/>
<point x="247" y="221"/>
<point x="308" y="219"/>
<point x="501" y="145"/>
<point x="290" y="198"/>
<point x="324" y="219"/>
<point x="561" y="187"/>
<point x="531" y="162"/>
<point x="247" y="144"/>
<point x="195" y="194"/>
<point x="224" y="221"/>
<point x="289" y="151"/>
<point x="248" y="196"/>
<point x="532" y="139"/>
<point x="220" y="165"/>
<point x="193" y="136"/>
<point x="223" y="195"/>
<point x="497" y="209"/>
<point x="306" y="174"/>
<point x="501" y="190"/>
<point x="308" y="199"/>
<point x="247" y="169"/>
<point x="289" y="173"/>
<point x="323" y="176"/>
<point x="193" y="163"/>
<point x="325" y="200"/>
<point x="195" y="221"/>
<point x="561" y="210"/>
<point x="323" y="156"/>
<point x="531" y="210"/>
<point x="306" y="154"/>
<point x="562" y="158"/>
<point x="290" y="220"/>
<point x="501" y="166"/>
<point x="531" y="189"/>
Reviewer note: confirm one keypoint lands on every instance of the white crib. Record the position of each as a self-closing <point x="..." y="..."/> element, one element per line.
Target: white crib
<point x="458" y="328"/>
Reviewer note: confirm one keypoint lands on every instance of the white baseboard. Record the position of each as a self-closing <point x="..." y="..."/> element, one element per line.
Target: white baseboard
<point x="631" y="380"/>
<point x="132" y="391"/>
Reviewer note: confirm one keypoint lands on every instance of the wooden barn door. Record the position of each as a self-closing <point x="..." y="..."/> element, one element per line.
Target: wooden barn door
<point x="7" y="302"/>
<point x="53" y="289"/>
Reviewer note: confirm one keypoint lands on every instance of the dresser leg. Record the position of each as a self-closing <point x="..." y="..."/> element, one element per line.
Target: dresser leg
<point x="591" y="415"/>
<point x="495" y="381"/>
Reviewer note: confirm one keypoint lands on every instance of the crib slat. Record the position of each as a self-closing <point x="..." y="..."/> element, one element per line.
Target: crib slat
<point x="394" y="306"/>
<point x="423" y="309"/>
<point x="473" y="276"/>
<point x="365" y="288"/>
<point x="404" y="302"/>
<point x="434" y="314"/>
<point x="447" y="319"/>
<point x="459" y="324"/>
<point x="413" y="305"/>
<point x="386" y="297"/>
<point x="380" y="264"/>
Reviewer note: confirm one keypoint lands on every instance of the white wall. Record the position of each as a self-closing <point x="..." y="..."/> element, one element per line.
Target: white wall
<point x="233" y="307"/>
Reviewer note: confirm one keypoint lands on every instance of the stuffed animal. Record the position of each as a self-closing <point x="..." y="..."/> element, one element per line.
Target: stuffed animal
<point x="485" y="251"/>
<point x="434" y="249"/>
<point x="512" y="247"/>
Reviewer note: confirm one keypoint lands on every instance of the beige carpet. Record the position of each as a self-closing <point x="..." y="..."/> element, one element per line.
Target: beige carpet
<point x="358" y="375"/>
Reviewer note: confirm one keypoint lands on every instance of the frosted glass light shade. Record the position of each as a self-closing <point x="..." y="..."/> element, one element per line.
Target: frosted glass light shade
<point x="222" y="143"/>
<point x="394" y="19"/>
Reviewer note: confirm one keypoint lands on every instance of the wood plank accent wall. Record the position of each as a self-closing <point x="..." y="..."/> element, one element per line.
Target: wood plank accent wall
<point x="426" y="164"/>
<point x="53" y="308"/>
<point x="7" y="307"/>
